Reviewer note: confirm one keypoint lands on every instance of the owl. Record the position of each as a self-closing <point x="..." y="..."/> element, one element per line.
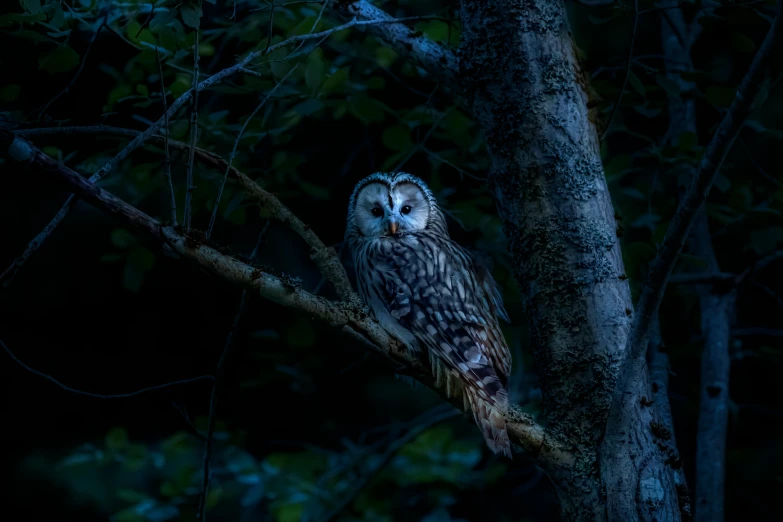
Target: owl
<point x="432" y="294"/>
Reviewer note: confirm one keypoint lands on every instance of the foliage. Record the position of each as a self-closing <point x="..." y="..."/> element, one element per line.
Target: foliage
<point x="352" y="106"/>
<point x="134" y="481"/>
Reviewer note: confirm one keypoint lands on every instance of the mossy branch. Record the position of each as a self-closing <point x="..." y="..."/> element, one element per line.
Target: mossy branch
<point x="349" y="316"/>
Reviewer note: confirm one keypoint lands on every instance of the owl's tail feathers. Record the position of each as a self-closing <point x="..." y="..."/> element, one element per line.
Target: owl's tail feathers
<point x="491" y="420"/>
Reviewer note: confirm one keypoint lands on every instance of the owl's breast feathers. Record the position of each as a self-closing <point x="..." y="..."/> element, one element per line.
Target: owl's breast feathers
<point x="450" y="304"/>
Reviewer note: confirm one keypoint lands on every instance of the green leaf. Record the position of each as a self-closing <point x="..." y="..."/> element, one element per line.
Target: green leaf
<point x="436" y="30"/>
<point x="722" y="183"/>
<point x="62" y="59"/>
<point x="646" y="111"/>
<point x="20" y="18"/>
<point x="314" y="72"/>
<point x="180" y="85"/>
<point x="161" y="513"/>
<point x="191" y="15"/>
<point x="137" y="264"/>
<point x="765" y="241"/>
<point x="111" y="258"/>
<point x="128" y="515"/>
<point x="288" y="512"/>
<point x="238" y="216"/>
<point x="117" y="439"/>
<point x="397" y="138"/>
<point x="300" y="334"/>
<point x="636" y="83"/>
<point x="336" y="82"/>
<point x="32" y="36"/>
<point x="669" y="85"/>
<point x="121" y="238"/>
<point x="56" y="15"/>
<point x="32" y="6"/>
<point x="385" y="55"/>
<point x="213" y="497"/>
<point x="720" y="96"/>
<point x="687" y="141"/>
<point x="9" y="92"/>
<point x="131" y="495"/>
<point x="741" y="43"/>
<point x="367" y="110"/>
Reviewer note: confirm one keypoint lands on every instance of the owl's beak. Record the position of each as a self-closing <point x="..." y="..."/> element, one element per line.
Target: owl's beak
<point x="393" y="227"/>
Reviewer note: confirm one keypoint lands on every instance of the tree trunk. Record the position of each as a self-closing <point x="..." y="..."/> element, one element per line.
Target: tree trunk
<point x="521" y="77"/>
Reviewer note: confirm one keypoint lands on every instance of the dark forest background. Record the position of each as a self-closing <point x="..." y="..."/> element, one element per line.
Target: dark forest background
<point x="308" y="424"/>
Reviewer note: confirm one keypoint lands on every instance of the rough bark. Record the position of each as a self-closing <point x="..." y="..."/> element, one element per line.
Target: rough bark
<point x="522" y="79"/>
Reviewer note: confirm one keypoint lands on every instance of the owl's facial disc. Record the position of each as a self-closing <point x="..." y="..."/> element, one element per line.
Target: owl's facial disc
<point x="381" y="212"/>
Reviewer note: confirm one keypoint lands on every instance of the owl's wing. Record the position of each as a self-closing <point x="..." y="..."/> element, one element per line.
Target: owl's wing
<point x="433" y="293"/>
<point x="444" y="316"/>
<point x="489" y="286"/>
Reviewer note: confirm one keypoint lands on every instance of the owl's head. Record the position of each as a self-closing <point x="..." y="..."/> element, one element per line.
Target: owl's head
<point x="391" y="204"/>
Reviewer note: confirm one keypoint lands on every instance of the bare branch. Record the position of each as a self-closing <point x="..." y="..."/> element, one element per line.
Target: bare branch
<point x="716" y="313"/>
<point x="325" y="258"/>
<point x="48" y="104"/>
<point x="386" y="457"/>
<point x="216" y="78"/>
<point x="67" y="388"/>
<point x="433" y="57"/>
<point x="166" y="139"/>
<point x="213" y="402"/>
<point x="764" y="64"/>
<point x="628" y="65"/>
<point x="759" y="330"/>
<point x="283" y="290"/>
<point x="696" y="278"/>
<point x="187" y="216"/>
<point x="219" y="375"/>
<point x="236" y="144"/>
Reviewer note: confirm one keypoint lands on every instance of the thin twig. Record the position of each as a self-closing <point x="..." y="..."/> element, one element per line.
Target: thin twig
<point x="193" y="136"/>
<point x="147" y="20"/>
<point x="100" y="395"/>
<point x="236" y="144"/>
<point x="284" y="291"/>
<point x="428" y="422"/>
<point x="166" y="141"/>
<point x="627" y="69"/>
<point x="81" y="66"/>
<point x="216" y="78"/>
<point x="326" y="259"/>
<point x="763" y="65"/>
<point x="213" y="402"/>
<point x="213" y="399"/>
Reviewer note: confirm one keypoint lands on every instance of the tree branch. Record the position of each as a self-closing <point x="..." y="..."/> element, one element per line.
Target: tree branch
<point x="67" y="388"/>
<point x="325" y="258"/>
<point x="187" y="215"/>
<point x="216" y="78"/>
<point x="283" y="290"/>
<point x="659" y="378"/>
<point x="716" y="312"/>
<point x="236" y="144"/>
<point x="764" y="65"/>
<point x="433" y="57"/>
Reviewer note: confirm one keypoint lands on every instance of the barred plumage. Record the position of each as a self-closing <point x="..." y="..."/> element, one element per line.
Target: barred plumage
<point x="432" y="294"/>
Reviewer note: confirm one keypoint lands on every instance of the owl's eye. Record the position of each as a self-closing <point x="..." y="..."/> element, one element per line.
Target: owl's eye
<point x="406" y="209"/>
<point x="377" y="212"/>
